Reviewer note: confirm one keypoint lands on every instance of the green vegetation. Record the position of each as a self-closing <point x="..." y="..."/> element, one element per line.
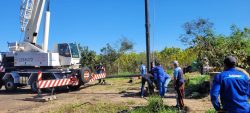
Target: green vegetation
<point x="131" y="102"/>
<point x="89" y="108"/>
<point x="202" y="43"/>
<point x="88" y="57"/>
<point x="197" y="86"/>
<point x="155" y="105"/>
<point x="211" y="111"/>
<point x="200" y="35"/>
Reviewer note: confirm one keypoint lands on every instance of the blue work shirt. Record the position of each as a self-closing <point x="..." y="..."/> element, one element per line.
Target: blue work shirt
<point x="160" y="74"/>
<point x="154" y="73"/>
<point x="233" y="88"/>
<point x="178" y="74"/>
<point x="143" y="70"/>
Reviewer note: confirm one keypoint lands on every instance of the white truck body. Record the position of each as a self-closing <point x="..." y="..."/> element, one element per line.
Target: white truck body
<point x="36" y="59"/>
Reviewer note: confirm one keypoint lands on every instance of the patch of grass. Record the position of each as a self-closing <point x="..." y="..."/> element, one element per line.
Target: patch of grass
<point x="90" y="108"/>
<point x="69" y="108"/>
<point x="155" y="105"/>
<point x="105" y="108"/>
<point x="130" y="102"/>
<point x="117" y="79"/>
<point x="125" y="73"/>
<point x="211" y="111"/>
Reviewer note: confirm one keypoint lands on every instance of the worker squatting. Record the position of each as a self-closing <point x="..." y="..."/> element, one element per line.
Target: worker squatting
<point x="231" y="85"/>
<point x="161" y="79"/>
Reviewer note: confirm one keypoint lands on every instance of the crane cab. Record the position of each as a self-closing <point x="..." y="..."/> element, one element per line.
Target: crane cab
<point x="69" y="54"/>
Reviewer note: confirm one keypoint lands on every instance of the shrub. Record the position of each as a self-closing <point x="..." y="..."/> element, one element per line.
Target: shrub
<point x="197" y="87"/>
<point x="155" y="105"/>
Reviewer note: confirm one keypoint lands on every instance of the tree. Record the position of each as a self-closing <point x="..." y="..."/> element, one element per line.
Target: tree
<point x="108" y="56"/>
<point x="88" y="57"/>
<point x="199" y="35"/>
<point x="125" y="45"/>
<point x="238" y="45"/>
<point x="167" y="55"/>
<point x="196" y="31"/>
<point x="129" y="62"/>
<point x="166" y="52"/>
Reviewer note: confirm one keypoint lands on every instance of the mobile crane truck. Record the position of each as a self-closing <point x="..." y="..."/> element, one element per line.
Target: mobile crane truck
<point x="20" y="65"/>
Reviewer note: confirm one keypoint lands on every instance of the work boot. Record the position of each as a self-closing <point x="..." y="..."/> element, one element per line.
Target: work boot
<point x="177" y="107"/>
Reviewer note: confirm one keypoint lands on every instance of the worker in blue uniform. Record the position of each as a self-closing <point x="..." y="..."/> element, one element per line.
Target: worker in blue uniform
<point x="233" y="88"/>
<point x="143" y="71"/>
<point x="153" y="77"/>
<point x="161" y="78"/>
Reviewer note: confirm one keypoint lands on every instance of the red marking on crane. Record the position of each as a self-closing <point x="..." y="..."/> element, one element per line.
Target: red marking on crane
<point x="39" y="78"/>
<point x="97" y="76"/>
<point x="55" y="83"/>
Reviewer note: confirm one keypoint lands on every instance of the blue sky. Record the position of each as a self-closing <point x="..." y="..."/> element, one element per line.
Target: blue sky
<point x="94" y="23"/>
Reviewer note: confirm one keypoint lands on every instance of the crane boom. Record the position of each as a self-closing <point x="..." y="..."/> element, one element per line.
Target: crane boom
<point x="34" y="22"/>
<point x="26" y="12"/>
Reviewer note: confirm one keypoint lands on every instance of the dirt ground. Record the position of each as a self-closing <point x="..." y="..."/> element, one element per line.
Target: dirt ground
<point x="118" y="92"/>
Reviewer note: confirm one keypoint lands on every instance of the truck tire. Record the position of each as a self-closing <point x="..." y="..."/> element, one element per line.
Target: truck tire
<point x="85" y="75"/>
<point x="10" y="85"/>
<point x="1" y="79"/>
<point x="33" y="86"/>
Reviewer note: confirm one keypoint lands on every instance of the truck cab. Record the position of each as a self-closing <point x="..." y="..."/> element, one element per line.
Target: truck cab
<point x="69" y="54"/>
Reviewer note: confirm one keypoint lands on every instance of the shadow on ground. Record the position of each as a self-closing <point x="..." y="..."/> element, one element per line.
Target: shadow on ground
<point x="59" y="90"/>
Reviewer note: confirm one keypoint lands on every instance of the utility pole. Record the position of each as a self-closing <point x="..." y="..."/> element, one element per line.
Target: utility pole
<point x="147" y="25"/>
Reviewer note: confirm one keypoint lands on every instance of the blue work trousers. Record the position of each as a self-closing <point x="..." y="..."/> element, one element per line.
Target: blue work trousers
<point x="143" y="81"/>
<point x="162" y="90"/>
<point x="166" y="84"/>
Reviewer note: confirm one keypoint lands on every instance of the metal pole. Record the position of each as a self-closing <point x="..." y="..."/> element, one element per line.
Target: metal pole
<point x="147" y="34"/>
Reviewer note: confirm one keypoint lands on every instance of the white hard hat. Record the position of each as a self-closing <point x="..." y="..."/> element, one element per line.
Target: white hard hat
<point x="175" y="62"/>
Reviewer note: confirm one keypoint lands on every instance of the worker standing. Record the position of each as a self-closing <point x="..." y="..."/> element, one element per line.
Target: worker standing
<point x="153" y="78"/>
<point x="143" y="78"/>
<point x="99" y="70"/>
<point x="179" y="84"/>
<point x="161" y="78"/>
<point x="233" y="88"/>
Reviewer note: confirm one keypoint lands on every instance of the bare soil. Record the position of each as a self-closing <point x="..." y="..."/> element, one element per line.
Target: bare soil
<point x="118" y="92"/>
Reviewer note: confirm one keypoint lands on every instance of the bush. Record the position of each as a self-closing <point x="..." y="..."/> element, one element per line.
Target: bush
<point x="155" y="105"/>
<point x="197" y="87"/>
